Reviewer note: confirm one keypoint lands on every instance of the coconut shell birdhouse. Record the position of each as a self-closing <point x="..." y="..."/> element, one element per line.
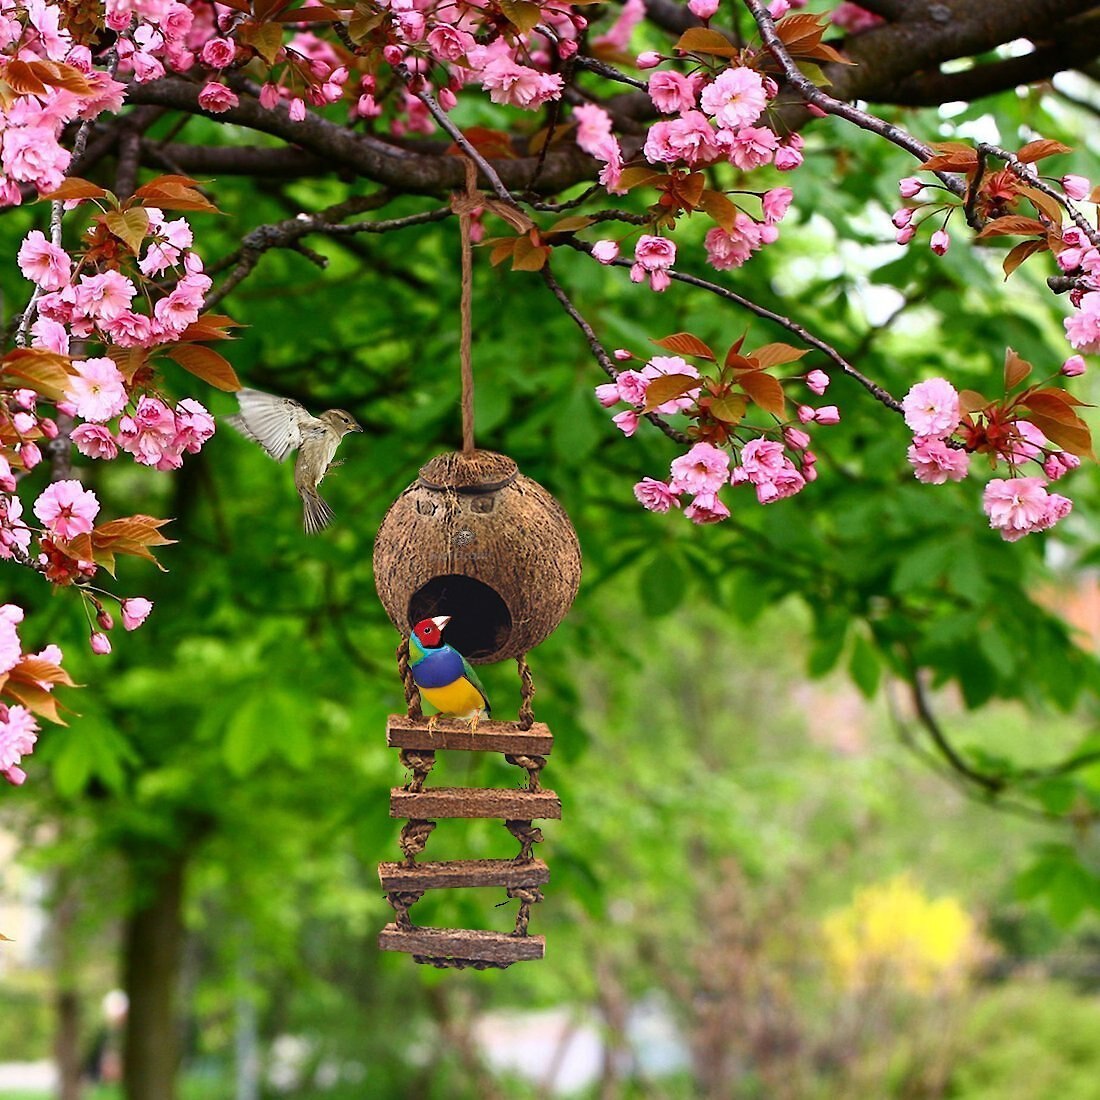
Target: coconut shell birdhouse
<point x="474" y="539"/>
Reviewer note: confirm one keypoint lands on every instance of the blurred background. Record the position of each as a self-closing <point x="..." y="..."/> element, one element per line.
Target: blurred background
<point x="783" y="869"/>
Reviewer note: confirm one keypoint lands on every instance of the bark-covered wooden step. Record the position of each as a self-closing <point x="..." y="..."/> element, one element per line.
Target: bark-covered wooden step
<point x="410" y="733"/>
<point x="462" y="943"/>
<point x="469" y="802"/>
<point x="460" y="873"/>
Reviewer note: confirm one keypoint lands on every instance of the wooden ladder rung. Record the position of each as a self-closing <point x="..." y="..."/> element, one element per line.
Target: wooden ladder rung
<point x="409" y="733"/>
<point x="451" y="802"/>
<point x="462" y="943"/>
<point x="458" y="873"/>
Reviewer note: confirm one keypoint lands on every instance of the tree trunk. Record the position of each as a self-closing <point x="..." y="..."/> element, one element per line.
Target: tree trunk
<point x="66" y="1037"/>
<point x="153" y="951"/>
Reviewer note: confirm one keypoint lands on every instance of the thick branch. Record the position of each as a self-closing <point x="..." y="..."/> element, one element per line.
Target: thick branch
<point x="369" y="157"/>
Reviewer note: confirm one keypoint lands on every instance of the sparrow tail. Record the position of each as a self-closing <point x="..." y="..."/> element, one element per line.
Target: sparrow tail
<point x="316" y="514"/>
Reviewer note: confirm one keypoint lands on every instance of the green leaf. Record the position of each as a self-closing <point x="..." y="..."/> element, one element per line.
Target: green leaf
<point x="865" y="666"/>
<point x="662" y="584"/>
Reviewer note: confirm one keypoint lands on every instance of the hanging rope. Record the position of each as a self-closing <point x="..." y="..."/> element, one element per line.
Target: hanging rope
<point x="412" y="693"/>
<point x="465" y="205"/>
<point x="527" y="693"/>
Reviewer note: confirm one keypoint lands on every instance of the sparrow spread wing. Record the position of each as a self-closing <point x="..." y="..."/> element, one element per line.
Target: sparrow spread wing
<point x="276" y="423"/>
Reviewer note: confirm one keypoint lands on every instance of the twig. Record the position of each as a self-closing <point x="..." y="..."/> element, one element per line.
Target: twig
<point x="825" y="102"/>
<point x="599" y="352"/>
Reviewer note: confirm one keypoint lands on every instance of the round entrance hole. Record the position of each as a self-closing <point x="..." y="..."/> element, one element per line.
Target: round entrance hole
<point x="481" y="622"/>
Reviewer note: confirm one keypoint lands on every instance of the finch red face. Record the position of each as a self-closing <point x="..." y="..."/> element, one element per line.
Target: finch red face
<point x="429" y="632"/>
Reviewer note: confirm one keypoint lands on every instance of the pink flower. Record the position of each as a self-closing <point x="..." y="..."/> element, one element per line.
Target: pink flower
<point x="43" y="263"/>
<point x="704" y="469"/>
<point x="626" y="422"/>
<point x="11" y="649"/>
<point x="704" y="9"/>
<point x="657" y="496"/>
<point x="1021" y="505"/>
<point x="218" y="53"/>
<point x="617" y="37"/>
<point x="98" y="390"/>
<point x="50" y="336"/>
<point x="1083" y="327"/>
<point x="766" y="466"/>
<point x="672" y="92"/>
<point x="689" y="138"/>
<point x="631" y="386"/>
<point x="448" y="43"/>
<point x="1026" y="442"/>
<point x="932" y="408"/>
<point x="593" y="129"/>
<point x="751" y="147"/>
<point x="648" y="59"/>
<point x="1074" y="366"/>
<point x="910" y="187"/>
<point x="518" y="85"/>
<point x="217" y="98"/>
<point x="104" y="297"/>
<point x="194" y="426"/>
<point x="95" y="441"/>
<point x="608" y="394"/>
<point x="934" y="462"/>
<point x="853" y="18"/>
<point x="706" y="508"/>
<point x="905" y="234"/>
<point x="817" y="381"/>
<point x="735" y="98"/>
<point x="605" y="251"/>
<point x="100" y="643"/>
<point x="1076" y="187"/>
<point x="901" y="218"/>
<point x="796" y="439"/>
<point x="776" y="202"/>
<point x="940" y="242"/>
<point x="728" y="249"/>
<point x="135" y="611"/>
<point x="18" y="735"/>
<point x="66" y="508"/>
<point x="827" y="414"/>
<point x="787" y="158"/>
<point x="653" y="256"/>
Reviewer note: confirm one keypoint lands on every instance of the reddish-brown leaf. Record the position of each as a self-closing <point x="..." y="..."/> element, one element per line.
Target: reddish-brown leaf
<point x="36" y="670"/>
<point x="489" y="143"/>
<point x="1016" y="370"/>
<point x="970" y="401"/>
<point x="800" y="32"/>
<point x="1037" y="150"/>
<point x="265" y="38"/>
<point x="701" y="40"/>
<point x="1052" y="404"/>
<point x="1020" y="252"/>
<point x="720" y="208"/>
<point x="522" y="14"/>
<point x="75" y="188"/>
<point x="45" y="372"/>
<point x="207" y="364"/>
<point x="951" y="156"/>
<point x="34" y="698"/>
<point x="1075" y="438"/>
<point x="777" y="355"/>
<point x="1012" y="225"/>
<point x="765" y="391"/>
<point x="175" y="196"/>
<point x="571" y="224"/>
<point x="667" y="387"/>
<point x="683" y="343"/>
<point x="1044" y="204"/>
<point x="638" y="177"/>
<point x="211" y="326"/>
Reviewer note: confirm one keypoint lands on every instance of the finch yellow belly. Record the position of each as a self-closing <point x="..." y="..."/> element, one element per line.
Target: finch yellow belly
<point x="460" y="699"/>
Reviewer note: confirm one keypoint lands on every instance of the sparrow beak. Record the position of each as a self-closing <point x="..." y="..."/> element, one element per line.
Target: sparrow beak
<point x="441" y="620"/>
<point x="356" y="428"/>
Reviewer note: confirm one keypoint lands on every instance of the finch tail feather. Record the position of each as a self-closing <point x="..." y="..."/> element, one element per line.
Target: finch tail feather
<point x="316" y="514"/>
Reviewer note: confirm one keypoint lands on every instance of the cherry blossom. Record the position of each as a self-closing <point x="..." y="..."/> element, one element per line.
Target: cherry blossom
<point x="67" y="508"/>
<point x="931" y="408"/>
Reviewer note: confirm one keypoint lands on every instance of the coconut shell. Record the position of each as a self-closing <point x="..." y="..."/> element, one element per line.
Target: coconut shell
<point x="474" y="539"/>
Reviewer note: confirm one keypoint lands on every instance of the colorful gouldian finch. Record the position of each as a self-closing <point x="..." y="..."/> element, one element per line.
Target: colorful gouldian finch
<point x="279" y="425"/>
<point x="444" y="676"/>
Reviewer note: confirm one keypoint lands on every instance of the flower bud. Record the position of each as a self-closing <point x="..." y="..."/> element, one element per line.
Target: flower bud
<point x="100" y="644"/>
<point x="909" y="187"/>
<point x="704" y="9"/>
<point x="827" y="414"/>
<point x="940" y="242"/>
<point x="622" y="354"/>
<point x="1074" y="366"/>
<point x="605" y="251"/>
<point x="1076" y="187"/>
<point x="648" y="59"/>
<point x="104" y="619"/>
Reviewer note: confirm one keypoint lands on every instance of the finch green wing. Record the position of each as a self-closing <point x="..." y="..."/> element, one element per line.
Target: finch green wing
<point x="472" y="676"/>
